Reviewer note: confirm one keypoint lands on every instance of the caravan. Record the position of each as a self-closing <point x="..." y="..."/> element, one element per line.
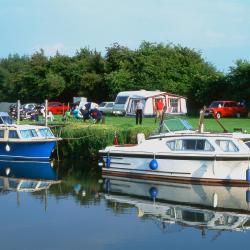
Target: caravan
<point x="125" y="102"/>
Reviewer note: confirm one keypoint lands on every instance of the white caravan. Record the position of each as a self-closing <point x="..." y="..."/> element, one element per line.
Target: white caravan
<point x="126" y="101"/>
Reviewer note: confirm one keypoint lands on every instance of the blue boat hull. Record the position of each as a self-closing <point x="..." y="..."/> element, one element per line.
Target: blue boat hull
<point x="34" y="151"/>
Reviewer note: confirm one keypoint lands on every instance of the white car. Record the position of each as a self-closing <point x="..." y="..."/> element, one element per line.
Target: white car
<point x="106" y="107"/>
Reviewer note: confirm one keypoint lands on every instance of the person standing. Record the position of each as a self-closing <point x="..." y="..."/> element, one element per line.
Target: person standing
<point x="139" y="108"/>
<point x="159" y="109"/>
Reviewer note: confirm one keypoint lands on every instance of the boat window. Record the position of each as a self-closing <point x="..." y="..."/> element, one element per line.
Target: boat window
<point x="190" y="144"/>
<point x="1" y="133"/>
<point x="6" y="120"/>
<point x="45" y="132"/>
<point x="13" y="183"/>
<point x="227" y="145"/>
<point x="13" y="134"/>
<point x="28" y="185"/>
<point x="121" y="99"/>
<point x="247" y="143"/>
<point x="43" y="185"/>
<point x="28" y="133"/>
<point x="226" y="220"/>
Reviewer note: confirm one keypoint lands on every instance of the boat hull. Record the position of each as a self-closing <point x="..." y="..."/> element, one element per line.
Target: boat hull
<point x="28" y="151"/>
<point x="220" y="170"/>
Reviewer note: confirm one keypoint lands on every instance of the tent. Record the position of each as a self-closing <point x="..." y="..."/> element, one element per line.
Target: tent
<point x="126" y="102"/>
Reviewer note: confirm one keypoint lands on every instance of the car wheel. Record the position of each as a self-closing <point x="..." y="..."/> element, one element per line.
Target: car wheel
<point x="238" y="115"/>
<point x="218" y="115"/>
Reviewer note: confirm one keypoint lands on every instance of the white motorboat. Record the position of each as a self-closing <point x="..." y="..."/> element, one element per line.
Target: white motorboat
<point x="180" y="153"/>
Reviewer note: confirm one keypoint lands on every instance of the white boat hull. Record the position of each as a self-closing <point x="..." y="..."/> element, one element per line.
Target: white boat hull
<point x="218" y="170"/>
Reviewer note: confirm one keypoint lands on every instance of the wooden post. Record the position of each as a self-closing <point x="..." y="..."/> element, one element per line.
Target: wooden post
<point x="18" y="111"/>
<point x="46" y="112"/>
<point x="201" y="120"/>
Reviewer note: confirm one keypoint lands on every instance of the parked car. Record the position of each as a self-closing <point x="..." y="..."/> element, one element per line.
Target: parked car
<point x="226" y="109"/>
<point x="106" y="107"/>
<point x="57" y="108"/>
<point x="29" y="106"/>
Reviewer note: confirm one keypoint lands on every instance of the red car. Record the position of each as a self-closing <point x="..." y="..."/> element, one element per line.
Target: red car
<point x="225" y="109"/>
<point x="57" y="108"/>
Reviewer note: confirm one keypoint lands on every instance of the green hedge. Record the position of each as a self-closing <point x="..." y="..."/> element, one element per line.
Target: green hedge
<point x="80" y="142"/>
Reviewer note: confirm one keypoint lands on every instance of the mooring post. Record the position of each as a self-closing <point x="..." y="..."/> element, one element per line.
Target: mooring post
<point x="18" y="111"/>
<point x="46" y="112"/>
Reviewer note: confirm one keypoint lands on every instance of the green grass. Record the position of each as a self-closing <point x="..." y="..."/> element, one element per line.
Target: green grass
<point x="210" y="124"/>
<point x="118" y="122"/>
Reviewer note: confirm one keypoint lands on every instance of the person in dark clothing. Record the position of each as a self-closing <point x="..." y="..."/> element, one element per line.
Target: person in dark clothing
<point x="139" y="108"/>
<point x="97" y="115"/>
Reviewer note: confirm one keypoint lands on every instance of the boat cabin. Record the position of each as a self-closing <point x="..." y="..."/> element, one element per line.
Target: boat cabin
<point x="24" y="132"/>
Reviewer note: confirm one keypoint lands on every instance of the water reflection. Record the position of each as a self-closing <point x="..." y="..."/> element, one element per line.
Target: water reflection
<point x="80" y="210"/>
<point x="26" y="176"/>
<point x="202" y="207"/>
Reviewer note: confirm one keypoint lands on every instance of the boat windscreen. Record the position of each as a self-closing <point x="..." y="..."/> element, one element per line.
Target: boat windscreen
<point x="171" y="125"/>
<point x="121" y="99"/>
<point x="6" y="120"/>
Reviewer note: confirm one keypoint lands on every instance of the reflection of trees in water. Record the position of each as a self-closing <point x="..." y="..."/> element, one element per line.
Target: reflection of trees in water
<point x="78" y="180"/>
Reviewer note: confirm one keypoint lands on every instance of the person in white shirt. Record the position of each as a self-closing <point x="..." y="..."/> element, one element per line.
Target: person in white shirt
<point x="138" y="109"/>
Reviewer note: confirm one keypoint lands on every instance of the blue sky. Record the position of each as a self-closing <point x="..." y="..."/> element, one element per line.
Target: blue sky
<point x="220" y="29"/>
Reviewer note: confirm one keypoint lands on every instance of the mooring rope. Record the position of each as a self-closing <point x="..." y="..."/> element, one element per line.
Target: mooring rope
<point x="77" y="138"/>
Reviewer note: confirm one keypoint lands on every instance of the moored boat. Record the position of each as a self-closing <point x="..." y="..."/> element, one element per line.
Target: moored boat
<point x="180" y="153"/>
<point x="26" y="142"/>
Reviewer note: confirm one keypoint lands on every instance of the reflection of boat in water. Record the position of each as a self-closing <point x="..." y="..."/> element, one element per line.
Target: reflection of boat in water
<point x="179" y="153"/>
<point x="26" y="176"/>
<point x="211" y="207"/>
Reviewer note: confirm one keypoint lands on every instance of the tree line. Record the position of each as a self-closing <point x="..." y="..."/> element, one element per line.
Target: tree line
<point x="152" y="66"/>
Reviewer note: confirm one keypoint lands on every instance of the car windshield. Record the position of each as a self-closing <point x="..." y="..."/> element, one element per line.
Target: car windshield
<point x="109" y="105"/>
<point x="216" y="104"/>
<point x="102" y="104"/>
<point x="54" y="104"/>
<point x="121" y="99"/>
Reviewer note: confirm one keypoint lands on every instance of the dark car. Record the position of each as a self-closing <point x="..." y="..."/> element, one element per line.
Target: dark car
<point x="227" y="108"/>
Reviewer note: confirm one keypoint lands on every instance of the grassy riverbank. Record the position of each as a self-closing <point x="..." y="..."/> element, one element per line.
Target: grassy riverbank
<point x="84" y="139"/>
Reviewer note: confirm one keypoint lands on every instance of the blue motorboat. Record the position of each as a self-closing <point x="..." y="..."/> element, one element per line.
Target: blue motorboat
<point x="25" y="142"/>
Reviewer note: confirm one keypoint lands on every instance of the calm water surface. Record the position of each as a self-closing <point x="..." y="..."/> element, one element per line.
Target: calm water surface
<point x="73" y="207"/>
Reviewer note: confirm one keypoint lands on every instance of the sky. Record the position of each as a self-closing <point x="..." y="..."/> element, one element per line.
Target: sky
<point x="219" y="29"/>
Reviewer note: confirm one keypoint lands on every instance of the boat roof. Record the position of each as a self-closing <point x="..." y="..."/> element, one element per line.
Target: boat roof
<point x="21" y="126"/>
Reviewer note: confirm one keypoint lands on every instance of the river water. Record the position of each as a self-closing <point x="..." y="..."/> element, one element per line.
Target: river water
<point x="71" y="206"/>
